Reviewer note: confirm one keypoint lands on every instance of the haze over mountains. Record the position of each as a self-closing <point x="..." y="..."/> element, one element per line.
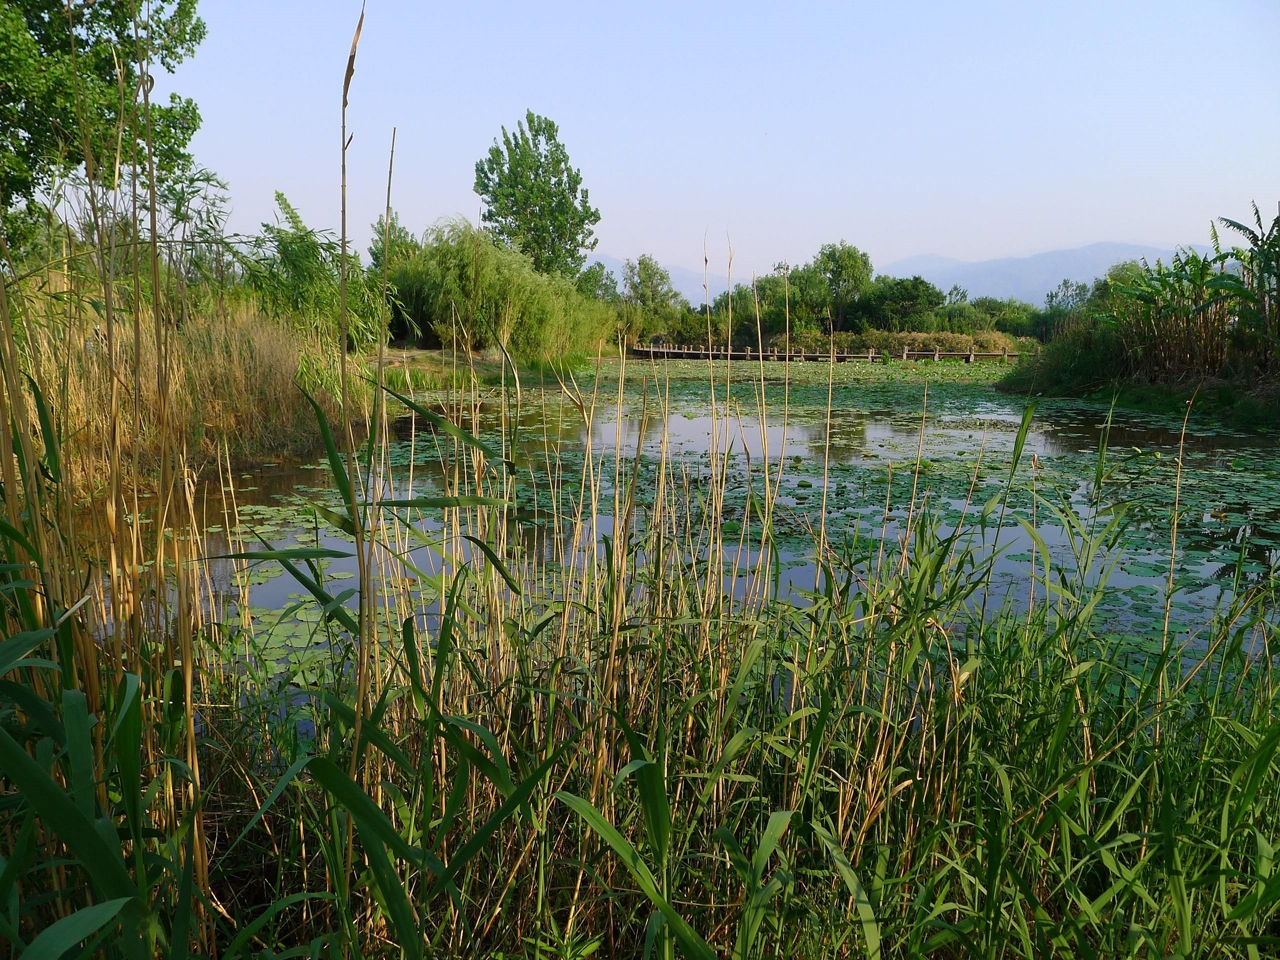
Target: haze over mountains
<point x="1027" y="278"/>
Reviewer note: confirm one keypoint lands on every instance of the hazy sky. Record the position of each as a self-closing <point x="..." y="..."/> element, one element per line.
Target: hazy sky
<point x="972" y="130"/>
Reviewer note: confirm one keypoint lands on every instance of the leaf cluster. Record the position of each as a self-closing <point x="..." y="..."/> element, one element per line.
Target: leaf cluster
<point x="71" y="90"/>
<point x="534" y="198"/>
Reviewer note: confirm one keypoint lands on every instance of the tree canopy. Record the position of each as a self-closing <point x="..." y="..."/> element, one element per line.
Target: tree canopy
<point x="899" y="303"/>
<point x="70" y="86"/>
<point x="598" y="283"/>
<point x="462" y="286"/>
<point x="398" y="239"/>
<point x="847" y="271"/>
<point x="534" y="197"/>
<point x="650" y="301"/>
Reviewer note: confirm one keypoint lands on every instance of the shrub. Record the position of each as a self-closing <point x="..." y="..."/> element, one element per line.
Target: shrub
<point x="464" y="287"/>
<point x="295" y="272"/>
<point x="1085" y="356"/>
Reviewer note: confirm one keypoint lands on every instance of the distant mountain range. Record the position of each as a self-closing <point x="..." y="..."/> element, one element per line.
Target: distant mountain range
<point x="1027" y="278"/>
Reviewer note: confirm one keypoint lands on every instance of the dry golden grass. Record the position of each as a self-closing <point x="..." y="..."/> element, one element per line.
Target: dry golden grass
<point x="232" y="389"/>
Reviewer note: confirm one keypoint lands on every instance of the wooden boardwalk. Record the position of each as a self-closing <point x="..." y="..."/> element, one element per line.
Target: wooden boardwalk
<point x="663" y="352"/>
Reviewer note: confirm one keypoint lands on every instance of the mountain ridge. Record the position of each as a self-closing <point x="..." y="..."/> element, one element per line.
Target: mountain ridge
<point x="1028" y="278"/>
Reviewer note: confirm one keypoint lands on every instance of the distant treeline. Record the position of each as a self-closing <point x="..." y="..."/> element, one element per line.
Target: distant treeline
<point x="457" y="283"/>
<point x="1213" y="315"/>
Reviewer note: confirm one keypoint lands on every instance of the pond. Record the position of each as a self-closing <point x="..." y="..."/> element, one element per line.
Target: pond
<point x="939" y="435"/>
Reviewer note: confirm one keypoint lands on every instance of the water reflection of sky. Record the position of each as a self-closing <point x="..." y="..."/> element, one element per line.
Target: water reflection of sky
<point x="862" y="441"/>
<point x="856" y="433"/>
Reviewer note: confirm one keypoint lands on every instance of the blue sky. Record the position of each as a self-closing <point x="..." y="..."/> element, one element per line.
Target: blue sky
<point x="971" y="130"/>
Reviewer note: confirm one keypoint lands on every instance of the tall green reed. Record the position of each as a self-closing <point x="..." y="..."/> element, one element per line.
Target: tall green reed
<point x="602" y="746"/>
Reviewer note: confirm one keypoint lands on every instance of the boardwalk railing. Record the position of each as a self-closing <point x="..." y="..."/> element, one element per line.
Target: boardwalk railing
<point x="664" y="352"/>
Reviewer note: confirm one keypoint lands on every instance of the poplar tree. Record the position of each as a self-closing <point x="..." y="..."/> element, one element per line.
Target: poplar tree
<point x="534" y="198"/>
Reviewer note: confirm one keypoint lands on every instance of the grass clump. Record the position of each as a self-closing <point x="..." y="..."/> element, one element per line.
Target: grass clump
<point x="523" y="750"/>
<point x="224" y="385"/>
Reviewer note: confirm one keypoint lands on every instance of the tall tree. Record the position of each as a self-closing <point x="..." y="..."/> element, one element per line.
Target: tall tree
<point x="847" y="271"/>
<point x="598" y="283"/>
<point x="534" y="198"/>
<point x="647" y="284"/>
<point x="650" y="301"/>
<point x="70" y="84"/>
<point x="402" y="243"/>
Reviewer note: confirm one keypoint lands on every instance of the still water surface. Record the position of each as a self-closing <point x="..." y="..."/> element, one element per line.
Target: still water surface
<point x="880" y="441"/>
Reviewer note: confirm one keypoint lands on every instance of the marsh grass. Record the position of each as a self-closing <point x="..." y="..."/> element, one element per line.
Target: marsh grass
<point x="1208" y="318"/>
<point x="600" y="744"/>
<point x="625" y="739"/>
<point x="604" y="746"/>
<point x="232" y="386"/>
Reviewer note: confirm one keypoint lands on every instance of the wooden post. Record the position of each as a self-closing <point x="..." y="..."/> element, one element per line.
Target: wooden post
<point x="1004" y="354"/>
<point x="969" y="359"/>
<point x="904" y="351"/>
<point x="936" y="356"/>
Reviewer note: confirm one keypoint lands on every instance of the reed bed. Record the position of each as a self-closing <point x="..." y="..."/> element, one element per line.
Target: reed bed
<point x="1206" y="317"/>
<point x="231" y="382"/>
<point x="622" y="739"/>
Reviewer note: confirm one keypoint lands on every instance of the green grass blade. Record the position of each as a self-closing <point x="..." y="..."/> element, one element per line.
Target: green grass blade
<point x="652" y="787"/>
<point x="692" y="944"/>
<point x="61" y="936"/>
<point x="336" y="465"/>
<point x="19" y="645"/>
<point x="335" y="611"/>
<point x="37" y="709"/>
<point x="75" y="711"/>
<point x="444" y="503"/>
<point x="52" y="455"/>
<point x="20" y="856"/>
<point x="462" y="856"/>
<point x="242" y="938"/>
<point x="497" y="563"/>
<point x="369" y="731"/>
<point x="413" y="659"/>
<point x="292" y="553"/>
<point x="60" y="814"/>
<point x="364" y="810"/>
<point x="399" y="908"/>
<point x="778" y="823"/>
<point x="272" y="797"/>
<point x="861" y="902"/>
<point x="180" y="932"/>
<point x="451" y="429"/>
<point x="127" y="743"/>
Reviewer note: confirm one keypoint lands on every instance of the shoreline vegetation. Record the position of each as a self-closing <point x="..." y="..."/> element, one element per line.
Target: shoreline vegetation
<point x="1203" y="328"/>
<point x="558" y="703"/>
